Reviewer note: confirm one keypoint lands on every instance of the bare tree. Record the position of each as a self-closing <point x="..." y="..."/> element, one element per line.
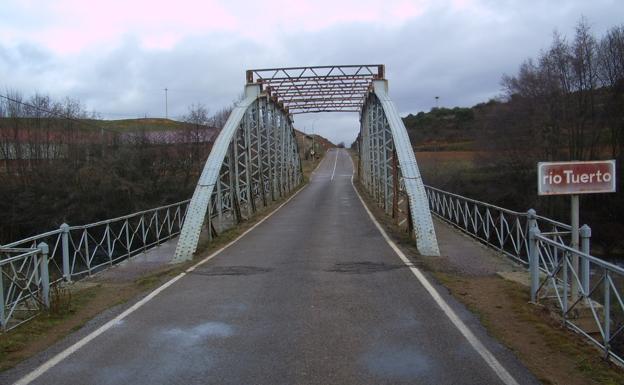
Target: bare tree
<point x="611" y="75"/>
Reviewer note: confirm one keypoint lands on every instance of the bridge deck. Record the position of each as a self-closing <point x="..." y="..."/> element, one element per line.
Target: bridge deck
<point x="314" y="295"/>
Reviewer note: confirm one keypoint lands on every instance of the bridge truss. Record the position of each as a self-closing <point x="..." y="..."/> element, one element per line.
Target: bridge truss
<point x="255" y="159"/>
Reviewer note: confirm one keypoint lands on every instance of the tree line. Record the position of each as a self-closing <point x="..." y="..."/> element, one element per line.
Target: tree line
<point x="567" y="103"/>
<point x="60" y="164"/>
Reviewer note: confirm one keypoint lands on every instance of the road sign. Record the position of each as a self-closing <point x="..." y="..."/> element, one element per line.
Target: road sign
<point x="570" y="178"/>
<point x="574" y="178"/>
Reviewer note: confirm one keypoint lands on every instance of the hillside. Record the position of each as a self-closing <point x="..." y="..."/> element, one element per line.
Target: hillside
<point x="490" y="151"/>
<point x="451" y="129"/>
<point x="140" y="124"/>
<point x="305" y="142"/>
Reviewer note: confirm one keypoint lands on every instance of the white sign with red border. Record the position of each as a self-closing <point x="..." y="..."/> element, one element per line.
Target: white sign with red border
<point x="570" y="178"/>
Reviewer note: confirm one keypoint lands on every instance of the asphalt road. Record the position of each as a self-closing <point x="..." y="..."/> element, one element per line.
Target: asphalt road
<point x="314" y="295"/>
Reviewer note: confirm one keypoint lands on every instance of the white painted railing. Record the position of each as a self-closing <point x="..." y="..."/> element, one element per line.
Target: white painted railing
<point x="74" y="252"/>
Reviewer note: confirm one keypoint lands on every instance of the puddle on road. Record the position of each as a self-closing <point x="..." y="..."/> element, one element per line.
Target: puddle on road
<point x="119" y="323"/>
<point x="364" y="267"/>
<point x="398" y="363"/>
<point x="192" y="335"/>
<point x="231" y="270"/>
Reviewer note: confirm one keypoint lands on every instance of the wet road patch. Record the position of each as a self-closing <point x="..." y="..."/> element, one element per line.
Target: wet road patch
<point x="401" y="363"/>
<point x="365" y="267"/>
<point x="232" y="270"/>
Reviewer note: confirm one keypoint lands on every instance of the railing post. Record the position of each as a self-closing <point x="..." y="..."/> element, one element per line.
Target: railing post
<point x="65" y="251"/>
<point x="169" y="228"/>
<point x="585" y="234"/>
<point x="85" y="238"/>
<point x="2" y="320"/>
<point x="532" y="218"/>
<point x="143" y="236"/>
<point x="108" y="244"/>
<point x="45" y="276"/>
<point x="157" y="227"/>
<point x="531" y="223"/>
<point x="607" y="311"/>
<point x="128" y="242"/>
<point x="534" y="262"/>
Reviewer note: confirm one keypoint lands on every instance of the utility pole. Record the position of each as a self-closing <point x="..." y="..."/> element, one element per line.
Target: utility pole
<point x="166" y="104"/>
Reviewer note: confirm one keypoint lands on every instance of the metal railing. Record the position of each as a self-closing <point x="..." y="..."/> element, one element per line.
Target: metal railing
<point x="75" y="252"/>
<point x="502" y="229"/>
<point x="24" y="284"/>
<point x="586" y="290"/>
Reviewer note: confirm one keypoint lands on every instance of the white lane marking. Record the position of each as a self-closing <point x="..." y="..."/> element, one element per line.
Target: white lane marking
<point x="335" y="162"/>
<point x="487" y="356"/>
<point x="49" y="364"/>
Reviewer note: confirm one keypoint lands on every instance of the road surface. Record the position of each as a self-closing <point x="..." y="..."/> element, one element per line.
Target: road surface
<point x="313" y="295"/>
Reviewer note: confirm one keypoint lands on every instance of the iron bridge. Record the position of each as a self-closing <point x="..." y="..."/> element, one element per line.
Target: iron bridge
<point x="255" y="159"/>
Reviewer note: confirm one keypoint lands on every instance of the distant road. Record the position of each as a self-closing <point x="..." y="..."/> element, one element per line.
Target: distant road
<point x="313" y="295"/>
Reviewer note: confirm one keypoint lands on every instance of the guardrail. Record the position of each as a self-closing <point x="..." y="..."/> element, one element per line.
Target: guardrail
<point x="504" y="230"/>
<point x="24" y="284"/>
<point x="586" y="291"/>
<point x="77" y="251"/>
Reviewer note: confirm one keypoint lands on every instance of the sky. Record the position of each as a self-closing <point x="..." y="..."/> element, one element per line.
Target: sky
<point x="118" y="56"/>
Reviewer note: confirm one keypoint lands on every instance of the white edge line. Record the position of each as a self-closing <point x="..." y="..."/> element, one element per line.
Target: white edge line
<point x="487" y="356"/>
<point x="49" y="364"/>
<point x="335" y="162"/>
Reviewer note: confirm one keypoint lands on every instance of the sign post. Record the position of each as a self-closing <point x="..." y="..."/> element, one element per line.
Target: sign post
<point x="574" y="178"/>
<point x="574" y="242"/>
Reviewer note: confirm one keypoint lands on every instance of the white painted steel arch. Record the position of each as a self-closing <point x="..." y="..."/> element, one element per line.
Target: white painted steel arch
<point x="254" y="160"/>
<point x="389" y="171"/>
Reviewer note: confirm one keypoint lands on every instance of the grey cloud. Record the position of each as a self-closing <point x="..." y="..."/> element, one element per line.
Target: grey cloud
<point x="457" y="55"/>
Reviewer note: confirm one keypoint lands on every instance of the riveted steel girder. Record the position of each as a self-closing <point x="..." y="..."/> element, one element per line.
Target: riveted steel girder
<point x="388" y="168"/>
<point x="254" y="161"/>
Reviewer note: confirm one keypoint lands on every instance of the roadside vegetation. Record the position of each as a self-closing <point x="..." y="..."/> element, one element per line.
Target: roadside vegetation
<point x="566" y="104"/>
<point x="58" y="164"/>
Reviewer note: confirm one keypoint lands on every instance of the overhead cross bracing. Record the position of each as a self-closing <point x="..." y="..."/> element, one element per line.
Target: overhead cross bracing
<point x="339" y="88"/>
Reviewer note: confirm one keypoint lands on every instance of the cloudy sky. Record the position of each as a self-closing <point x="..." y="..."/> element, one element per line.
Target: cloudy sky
<point x="117" y="56"/>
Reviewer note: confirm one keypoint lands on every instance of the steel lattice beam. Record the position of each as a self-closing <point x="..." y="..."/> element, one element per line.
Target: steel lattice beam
<point x="316" y="89"/>
<point x="254" y="161"/>
<point x="388" y="168"/>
